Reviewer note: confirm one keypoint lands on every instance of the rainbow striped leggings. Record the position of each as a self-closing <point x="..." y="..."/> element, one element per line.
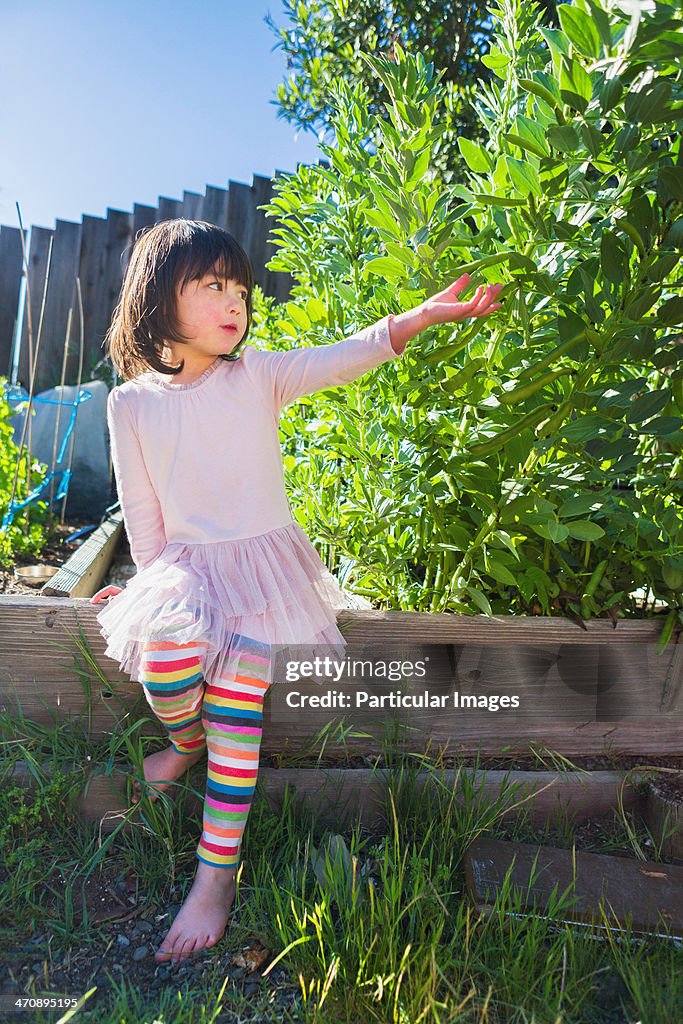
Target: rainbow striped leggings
<point x="225" y="716"/>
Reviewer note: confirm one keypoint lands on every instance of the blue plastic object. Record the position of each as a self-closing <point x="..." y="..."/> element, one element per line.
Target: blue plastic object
<point x="17" y="397"/>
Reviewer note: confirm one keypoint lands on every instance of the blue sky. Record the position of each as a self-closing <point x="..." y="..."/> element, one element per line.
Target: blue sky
<point x="109" y="104"/>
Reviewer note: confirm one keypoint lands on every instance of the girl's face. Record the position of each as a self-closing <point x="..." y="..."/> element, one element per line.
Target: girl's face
<point x="212" y="314"/>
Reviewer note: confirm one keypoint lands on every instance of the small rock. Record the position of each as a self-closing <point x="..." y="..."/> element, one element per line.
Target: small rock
<point x="144" y="928"/>
<point x="37" y="967"/>
<point x="140" y="953"/>
<point x="122" y="940"/>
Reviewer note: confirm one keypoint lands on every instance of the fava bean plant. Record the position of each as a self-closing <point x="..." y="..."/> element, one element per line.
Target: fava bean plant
<point x="26" y="534"/>
<point x="530" y="462"/>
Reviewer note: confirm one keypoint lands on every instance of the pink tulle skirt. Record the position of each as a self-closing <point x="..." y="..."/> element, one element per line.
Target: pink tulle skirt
<point x="274" y="588"/>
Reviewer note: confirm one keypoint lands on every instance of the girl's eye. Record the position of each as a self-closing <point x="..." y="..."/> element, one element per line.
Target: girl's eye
<point x="220" y="285"/>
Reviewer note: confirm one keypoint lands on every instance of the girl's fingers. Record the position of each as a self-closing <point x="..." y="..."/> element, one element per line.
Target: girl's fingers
<point x="485" y="300"/>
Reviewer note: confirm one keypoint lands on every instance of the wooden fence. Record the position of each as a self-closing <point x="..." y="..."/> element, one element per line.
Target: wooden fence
<point x="97" y="251"/>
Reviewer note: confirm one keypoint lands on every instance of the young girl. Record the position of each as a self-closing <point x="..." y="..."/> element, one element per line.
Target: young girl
<point x="223" y="569"/>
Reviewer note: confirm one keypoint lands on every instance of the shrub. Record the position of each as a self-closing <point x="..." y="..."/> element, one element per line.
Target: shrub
<point x="529" y="462"/>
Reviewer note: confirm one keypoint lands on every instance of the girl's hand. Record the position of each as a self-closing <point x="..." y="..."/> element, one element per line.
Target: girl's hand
<point x="442" y="307"/>
<point x="108" y="592"/>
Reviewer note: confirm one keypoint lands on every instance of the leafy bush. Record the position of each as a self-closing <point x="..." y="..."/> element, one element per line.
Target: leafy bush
<point x="26" y="533"/>
<point x="529" y="462"/>
<point x="324" y="42"/>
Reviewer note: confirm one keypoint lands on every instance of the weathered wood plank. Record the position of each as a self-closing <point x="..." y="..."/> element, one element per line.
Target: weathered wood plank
<point x="118" y="236"/>
<point x="240" y="217"/>
<point x="61" y="297"/>
<point x="346" y="795"/>
<point x="11" y="273"/>
<point x="39" y="249"/>
<point x="648" y="893"/>
<point x="32" y="672"/>
<point x="168" y="209"/>
<point x="81" y="574"/>
<point x="143" y="217"/>
<point x="273" y="282"/>
<point x="664" y="817"/>
<point x="193" y="203"/>
<point x="91" y="269"/>
<point x="216" y="206"/>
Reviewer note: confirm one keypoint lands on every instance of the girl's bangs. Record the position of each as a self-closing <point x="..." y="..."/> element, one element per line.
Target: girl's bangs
<point x="215" y="255"/>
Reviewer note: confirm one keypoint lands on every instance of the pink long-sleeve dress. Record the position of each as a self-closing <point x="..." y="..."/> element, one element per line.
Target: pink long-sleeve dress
<point x="200" y="479"/>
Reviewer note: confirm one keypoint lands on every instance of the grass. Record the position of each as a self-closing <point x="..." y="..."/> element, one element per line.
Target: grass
<point x="365" y="927"/>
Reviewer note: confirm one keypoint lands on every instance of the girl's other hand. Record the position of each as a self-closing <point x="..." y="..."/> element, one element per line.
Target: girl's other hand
<point x="107" y="592"/>
<point x="442" y="307"/>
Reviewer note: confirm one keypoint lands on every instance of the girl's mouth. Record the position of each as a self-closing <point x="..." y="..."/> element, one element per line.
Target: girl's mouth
<point x="229" y="327"/>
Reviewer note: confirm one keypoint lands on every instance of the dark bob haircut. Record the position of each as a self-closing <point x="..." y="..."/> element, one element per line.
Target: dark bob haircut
<point x="166" y="257"/>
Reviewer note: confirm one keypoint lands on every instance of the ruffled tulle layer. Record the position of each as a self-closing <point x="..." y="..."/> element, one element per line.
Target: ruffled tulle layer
<point x="273" y="587"/>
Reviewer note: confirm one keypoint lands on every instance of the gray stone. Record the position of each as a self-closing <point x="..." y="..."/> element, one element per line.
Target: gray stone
<point x="140" y="953"/>
<point x="122" y="940"/>
<point x="89" y="487"/>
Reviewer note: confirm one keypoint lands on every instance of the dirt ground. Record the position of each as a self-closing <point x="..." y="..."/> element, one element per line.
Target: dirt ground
<point x="55" y="553"/>
<point x="124" y="933"/>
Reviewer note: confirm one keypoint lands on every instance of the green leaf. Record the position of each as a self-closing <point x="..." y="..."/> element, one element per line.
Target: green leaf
<point x="662" y="426"/>
<point x="564" y="138"/>
<point x="496" y="61"/>
<point x="647" y="405"/>
<point x="479" y="599"/>
<point x="580" y="30"/>
<point x="298" y="315"/>
<point x="523" y="176"/>
<point x="346" y="292"/>
<point x="487" y="261"/>
<point x="672" y="573"/>
<point x="385" y="266"/>
<point x="650" y="104"/>
<point x="671" y="311"/>
<point x="501" y="573"/>
<point x="551" y="530"/>
<point x="533" y="133"/>
<point x="632" y="233"/>
<point x="316" y="310"/>
<point x="490" y="200"/>
<point x="575" y="85"/>
<point x="570" y="326"/>
<point x="556" y="40"/>
<point x="518" y="261"/>
<point x="577" y="506"/>
<point x="583" y="529"/>
<point x="587" y="428"/>
<point x="673" y="180"/>
<point x="612" y="257"/>
<point x="610" y="94"/>
<point x="663" y="266"/>
<point x="475" y="155"/>
<point x="593" y="140"/>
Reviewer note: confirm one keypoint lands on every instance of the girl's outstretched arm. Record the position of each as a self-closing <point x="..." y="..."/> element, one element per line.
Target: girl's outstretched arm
<point x="440" y="309"/>
<point x="286" y="376"/>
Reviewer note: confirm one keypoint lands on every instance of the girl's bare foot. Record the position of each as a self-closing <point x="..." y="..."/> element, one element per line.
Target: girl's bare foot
<point x="163" y="768"/>
<point x="201" y="920"/>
